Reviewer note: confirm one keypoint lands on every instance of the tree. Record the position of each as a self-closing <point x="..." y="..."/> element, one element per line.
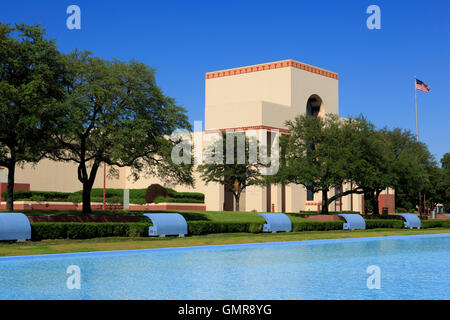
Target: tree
<point x="372" y="169"/>
<point x="438" y="190"/>
<point x="412" y="167"/>
<point x="444" y="185"/>
<point x="119" y="116"/>
<point x="236" y="171"/>
<point x="318" y="154"/>
<point x="31" y="89"/>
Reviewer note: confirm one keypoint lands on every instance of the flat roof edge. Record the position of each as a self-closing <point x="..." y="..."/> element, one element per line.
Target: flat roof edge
<point x="272" y="65"/>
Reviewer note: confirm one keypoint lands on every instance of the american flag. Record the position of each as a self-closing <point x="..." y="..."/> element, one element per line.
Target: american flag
<point x="422" y="86"/>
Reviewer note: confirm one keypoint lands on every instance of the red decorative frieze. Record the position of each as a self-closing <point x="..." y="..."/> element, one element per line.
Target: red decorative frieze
<point x="248" y="128"/>
<point x="270" y="66"/>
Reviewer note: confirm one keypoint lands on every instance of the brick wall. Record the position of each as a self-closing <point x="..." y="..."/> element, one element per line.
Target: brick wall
<point x="386" y="201"/>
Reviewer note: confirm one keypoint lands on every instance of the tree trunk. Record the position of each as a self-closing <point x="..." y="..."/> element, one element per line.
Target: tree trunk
<point x="376" y="204"/>
<point x="10" y="188"/>
<point x="366" y="201"/>
<point x="87" y="198"/>
<point x="236" y="200"/>
<point x="369" y="201"/>
<point x="325" y="202"/>
<point x="88" y="182"/>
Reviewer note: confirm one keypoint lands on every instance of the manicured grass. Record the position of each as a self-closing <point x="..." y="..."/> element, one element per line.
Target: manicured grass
<point x="109" y="244"/>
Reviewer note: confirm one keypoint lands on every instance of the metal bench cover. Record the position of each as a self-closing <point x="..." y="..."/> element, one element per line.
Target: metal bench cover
<point x="166" y="224"/>
<point x="276" y="222"/>
<point x="14" y="226"/>
<point x="353" y="221"/>
<point x="411" y="220"/>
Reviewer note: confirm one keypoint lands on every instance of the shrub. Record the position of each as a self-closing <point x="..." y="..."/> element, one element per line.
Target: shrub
<point x="38" y="198"/>
<point x="39" y="195"/>
<point x="192" y="195"/>
<point x="384" y="223"/>
<point x="86" y="230"/>
<point x="435" y="224"/>
<point x="177" y="200"/>
<point x="205" y="227"/>
<point x="317" y="225"/>
<point x="154" y="191"/>
<point x="137" y="201"/>
<point x="77" y="198"/>
<point x="111" y="195"/>
<point x="137" y="196"/>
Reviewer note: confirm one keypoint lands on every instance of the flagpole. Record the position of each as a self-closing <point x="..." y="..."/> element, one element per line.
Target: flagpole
<point x="415" y="100"/>
<point x="417" y="137"/>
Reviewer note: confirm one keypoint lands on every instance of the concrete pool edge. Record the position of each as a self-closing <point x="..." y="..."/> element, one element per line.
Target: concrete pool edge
<point x="223" y="246"/>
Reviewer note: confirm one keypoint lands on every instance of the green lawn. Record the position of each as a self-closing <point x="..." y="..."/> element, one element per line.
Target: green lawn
<point x="108" y="244"/>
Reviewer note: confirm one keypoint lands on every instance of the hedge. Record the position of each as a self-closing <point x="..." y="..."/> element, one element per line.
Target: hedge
<point x="317" y="225"/>
<point x="205" y="227"/>
<point x="177" y="200"/>
<point x="39" y="195"/>
<point x="435" y="224"/>
<point x="86" y="230"/>
<point x="192" y="195"/>
<point x="137" y="196"/>
<point x="384" y="223"/>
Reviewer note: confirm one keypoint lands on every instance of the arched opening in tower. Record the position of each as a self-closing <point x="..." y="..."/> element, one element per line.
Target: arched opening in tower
<point x="314" y="106"/>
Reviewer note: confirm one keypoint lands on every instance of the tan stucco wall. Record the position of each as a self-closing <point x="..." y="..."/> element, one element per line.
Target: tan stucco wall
<point x="50" y="175"/>
<point x="268" y="97"/>
<point x="305" y="84"/>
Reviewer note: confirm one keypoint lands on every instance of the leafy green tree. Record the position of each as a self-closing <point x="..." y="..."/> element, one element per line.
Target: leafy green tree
<point x="237" y="170"/>
<point x="119" y="116"/>
<point x="371" y="163"/>
<point x="31" y="89"/>
<point x="444" y="187"/>
<point x="412" y="167"/>
<point x="322" y="153"/>
<point x="440" y="182"/>
<point x="318" y="154"/>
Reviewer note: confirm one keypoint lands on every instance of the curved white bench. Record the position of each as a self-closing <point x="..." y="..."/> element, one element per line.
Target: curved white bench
<point x="166" y="224"/>
<point x="14" y="226"/>
<point x="411" y="220"/>
<point x="353" y="221"/>
<point x="276" y="222"/>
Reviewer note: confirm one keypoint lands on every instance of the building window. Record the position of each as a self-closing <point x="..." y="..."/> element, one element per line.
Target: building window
<point x="309" y="194"/>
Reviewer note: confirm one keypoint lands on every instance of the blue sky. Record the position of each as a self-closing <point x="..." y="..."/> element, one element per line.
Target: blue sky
<point x="183" y="40"/>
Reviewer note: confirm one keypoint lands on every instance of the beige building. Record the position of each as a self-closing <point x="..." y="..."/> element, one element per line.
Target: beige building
<point x="255" y="99"/>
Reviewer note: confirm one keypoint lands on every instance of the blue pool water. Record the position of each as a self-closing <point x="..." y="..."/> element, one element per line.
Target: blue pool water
<point x="412" y="267"/>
